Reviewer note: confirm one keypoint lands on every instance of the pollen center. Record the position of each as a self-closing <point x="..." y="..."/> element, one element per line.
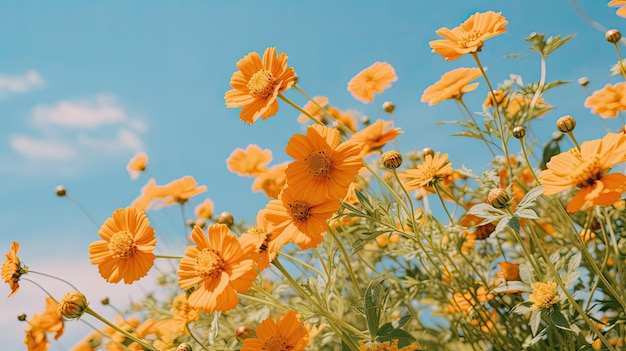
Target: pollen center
<point x="299" y="210"/>
<point x="209" y="263"/>
<point x="586" y="173"/>
<point x="275" y="343"/>
<point x="318" y="163"/>
<point x="471" y="38"/>
<point x="122" y="245"/>
<point x="262" y="84"/>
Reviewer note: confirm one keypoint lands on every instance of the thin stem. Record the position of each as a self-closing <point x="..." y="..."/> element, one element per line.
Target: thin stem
<point x="194" y="337"/>
<point x="619" y="61"/>
<point x="120" y="330"/>
<point x="57" y="278"/>
<point x="443" y="204"/>
<point x="83" y="209"/>
<point x="539" y="91"/>
<point x="303" y="111"/>
<point x="348" y="266"/>
<point x="300" y="262"/>
<point x="530" y="167"/>
<point x="328" y="115"/>
<point x="480" y="130"/>
<point x="41" y="287"/>
<point x="571" y="135"/>
<point x="169" y="257"/>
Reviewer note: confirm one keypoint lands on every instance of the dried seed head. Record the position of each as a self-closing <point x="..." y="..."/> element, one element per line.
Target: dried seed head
<point x="60" y="191"/>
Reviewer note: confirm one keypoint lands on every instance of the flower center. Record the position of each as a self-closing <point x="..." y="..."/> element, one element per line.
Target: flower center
<point x="299" y="210"/>
<point x="586" y="173"/>
<point x="275" y="343"/>
<point x="318" y="163"/>
<point x="209" y="264"/>
<point x="261" y="84"/>
<point x="122" y="245"/>
<point x="471" y="38"/>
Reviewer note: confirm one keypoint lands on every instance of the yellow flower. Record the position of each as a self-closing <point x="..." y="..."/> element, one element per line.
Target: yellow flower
<point x="434" y="168"/>
<point x="452" y="85"/>
<point x="386" y="346"/>
<point x="271" y="181"/>
<point x="249" y="162"/>
<point x="257" y="84"/>
<point x="258" y="240"/>
<point x="137" y="164"/>
<point x="374" y="79"/>
<point x="622" y="7"/>
<point x="288" y="333"/>
<point x="12" y="269"/>
<point x="204" y="210"/>
<point x="543" y="296"/>
<point x="608" y="101"/>
<point x="375" y="136"/>
<point x="469" y="37"/>
<point x="313" y="108"/>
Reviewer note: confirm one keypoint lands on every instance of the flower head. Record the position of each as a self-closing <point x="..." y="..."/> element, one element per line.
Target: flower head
<point x="588" y="170"/>
<point x="257" y="84"/>
<point x="137" y="164"/>
<point x="258" y="240"/>
<point x="288" y="333"/>
<point x="126" y="249"/>
<point x="73" y="305"/>
<point x="271" y="181"/>
<point x="218" y="267"/>
<point x="543" y="296"/>
<point x="179" y="190"/>
<point x="375" y="136"/>
<point x="608" y="101"/>
<point x="452" y="85"/>
<point x="204" y="210"/>
<point x="313" y="108"/>
<point x="434" y="168"/>
<point x="386" y="346"/>
<point x="249" y="162"/>
<point x="469" y="37"/>
<point x="374" y="79"/>
<point x="12" y="269"/>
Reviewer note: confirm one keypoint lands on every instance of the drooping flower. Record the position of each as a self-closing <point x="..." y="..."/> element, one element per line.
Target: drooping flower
<point x="469" y="37"/>
<point x="543" y="295"/>
<point x="608" y="101"/>
<point x="12" y="269"/>
<point x="218" y="267"/>
<point x="374" y="79"/>
<point x="323" y="166"/>
<point x="588" y="169"/>
<point x="386" y="346"/>
<point x="257" y="84"/>
<point x="179" y="191"/>
<point x="49" y="321"/>
<point x="296" y="219"/>
<point x="452" y="85"/>
<point x="249" y="162"/>
<point x="258" y="240"/>
<point x="288" y="333"/>
<point x="375" y="136"/>
<point x="434" y="168"/>
<point x="313" y="108"/>
<point x="272" y="181"/>
<point x="137" y="164"/>
<point x="621" y="11"/>
<point x="126" y="249"/>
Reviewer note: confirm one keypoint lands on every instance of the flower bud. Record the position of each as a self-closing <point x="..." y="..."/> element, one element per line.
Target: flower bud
<point x="365" y="120"/>
<point x="519" y="132"/>
<point x="184" y="347"/>
<point x="391" y="159"/>
<point x="566" y="124"/>
<point x="104" y="301"/>
<point x="388" y="106"/>
<point x="21" y="317"/>
<point x="498" y="198"/>
<point x="583" y="81"/>
<point x="244" y="332"/>
<point x="73" y="305"/>
<point x="295" y="81"/>
<point x="60" y="191"/>
<point x="428" y="151"/>
<point x="225" y="218"/>
<point x="613" y="36"/>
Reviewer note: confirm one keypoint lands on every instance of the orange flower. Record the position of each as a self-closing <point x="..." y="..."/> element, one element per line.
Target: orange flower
<point x="344" y="118"/>
<point x="433" y="169"/>
<point x="469" y="37"/>
<point x="218" y="267"/>
<point x="115" y="338"/>
<point x="257" y="84"/>
<point x="126" y="251"/>
<point x="313" y="108"/>
<point x="374" y="137"/>
<point x="271" y="181"/>
<point x="149" y="192"/>
<point x="258" y="241"/>
<point x="249" y="162"/>
<point x="296" y="219"/>
<point x="588" y="170"/>
<point x="36" y="340"/>
<point x="49" y="321"/>
<point x="386" y="346"/>
<point x="288" y="333"/>
<point x="465" y="302"/>
<point x="137" y="164"/>
<point x="608" y="101"/>
<point x="179" y="191"/>
<point x="204" y="210"/>
<point x="12" y="269"/>
<point x="509" y="271"/>
<point x="89" y="342"/>
<point x="182" y="310"/>
<point x="323" y="166"/>
<point x="374" y="79"/>
<point x="452" y="85"/>
<point x="622" y="4"/>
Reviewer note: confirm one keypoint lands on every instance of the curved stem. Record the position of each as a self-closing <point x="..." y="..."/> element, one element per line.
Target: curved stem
<point x="120" y="330"/>
<point x="83" y="209"/>
<point x="303" y="111"/>
<point x="194" y="337"/>
<point x="348" y="266"/>
<point x="443" y="204"/>
<point x="57" y="278"/>
<point x="530" y="167"/>
<point x="300" y="262"/>
<point x="480" y="130"/>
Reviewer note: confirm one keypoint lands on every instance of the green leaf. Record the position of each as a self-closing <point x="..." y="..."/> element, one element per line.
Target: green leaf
<point x="559" y="320"/>
<point x="546" y="46"/>
<point x="530" y="197"/>
<point x="535" y="321"/>
<point x="526" y="213"/>
<point x="388" y="333"/>
<point x="551" y="149"/>
<point x="514" y="224"/>
<point x="375" y="296"/>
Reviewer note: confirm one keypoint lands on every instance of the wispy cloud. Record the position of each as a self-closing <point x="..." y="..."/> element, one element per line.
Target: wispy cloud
<point x="35" y="148"/>
<point x="84" y="114"/>
<point x="20" y="83"/>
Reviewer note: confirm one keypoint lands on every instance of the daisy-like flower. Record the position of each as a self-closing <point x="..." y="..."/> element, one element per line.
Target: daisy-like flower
<point x="272" y="181"/>
<point x="313" y="108"/>
<point x="374" y="79"/>
<point x="375" y="136"/>
<point x="179" y="191"/>
<point x="386" y="346"/>
<point x="621" y="11"/>
<point x="137" y="164"/>
<point x="126" y="249"/>
<point x="258" y="240"/>
<point x="218" y="267"/>
<point x="608" y="101"/>
<point x="149" y="193"/>
<point x="434" y="168"/>
<point x="204" y="210"/>
<point x="49" y="321"/>
<point x="12" y="269"/>
<point x="452" y="85"/>
<point x="469" y="37"/>
<point x="344" y="118"/>
<point x="288" y="333"/>
<point x="588" y="170"/>
<point x="544" y="295"/>
<point x="297" y="219"/>
<point x="323" y="166"/>
<point x="257" y="84"/>
<point x="249" y="162"/>
<point x="464" y="303"/>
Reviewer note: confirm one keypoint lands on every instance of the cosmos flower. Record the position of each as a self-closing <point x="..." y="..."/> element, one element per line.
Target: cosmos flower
<point x="434" y="168"/>
<point x="249" y="162"/>
<point x="452" y="85"/>
<point x="137" y="164"/>
<point x="288" y="333"/>
<point x="12" y="269"/>
<point x="608" y="101"/>
<point x="375" y="136"/>
<point x="374" y="79"/>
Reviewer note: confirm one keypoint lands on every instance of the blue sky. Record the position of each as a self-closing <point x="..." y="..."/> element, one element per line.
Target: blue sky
<point x="85" y="85"/>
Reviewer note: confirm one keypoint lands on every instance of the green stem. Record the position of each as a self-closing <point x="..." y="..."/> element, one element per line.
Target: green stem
<point x="443" y="204"/>
<point x="294" y="105"/>
<point x="530" y="167"/>
<point x="57" y="278"/>
<point x="538" y="92"/>
<point x="348" y="266"/>
<point x="84" y="210"/>
<point x="194" y="337"/>
<point x="342" y="126"/>
<point x="295" y="260"/>
<point x="169" y="257"/>
<point x="120" y="330"/>
<point x="480" y="130"/>
<point x="619" y="61"/>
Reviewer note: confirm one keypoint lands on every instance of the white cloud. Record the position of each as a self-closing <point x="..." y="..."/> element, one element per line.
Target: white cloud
<point x="83" y="114"/>
<point x="20" y="84"/>
<point x="42" y="149"/>
<point x="125" y="139"/>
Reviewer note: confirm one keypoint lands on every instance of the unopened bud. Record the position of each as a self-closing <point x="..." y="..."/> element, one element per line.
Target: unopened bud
<point x="391" y="159"/>
<point x="104" y="301"/>
<point x="73" y="305"/>
<point x="613" y="36"/>
<point x="388" y="106"/>
<point x="498" y="198"/>
<point x="226" y="218"/>
<point x="244" y="332"/>
<point x="428" y="151"/>
<point x="60" y="191"/>
<point x="21" y="317"/>
<point x="583" y="81"/>
<point x="365" y="120"/>
<point x="295" y="79"/>
<point x="184" y="347"/>
<point x="566" y="124"/>
<point x="519" y="132"/>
